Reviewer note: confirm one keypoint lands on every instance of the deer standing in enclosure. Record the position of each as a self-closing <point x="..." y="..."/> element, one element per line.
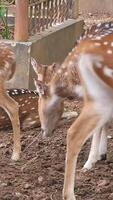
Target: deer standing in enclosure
<point x="7" y="69"/>
<point x="93" y="59"/>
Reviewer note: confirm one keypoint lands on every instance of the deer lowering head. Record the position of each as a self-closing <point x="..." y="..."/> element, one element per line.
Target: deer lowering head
<point x="93" y="60"/>
<point x="7" y="69"/>
<point x="54" y="105"/>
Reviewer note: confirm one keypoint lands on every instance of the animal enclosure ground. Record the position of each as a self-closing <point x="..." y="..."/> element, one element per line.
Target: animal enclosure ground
<point x="39" y="174"/>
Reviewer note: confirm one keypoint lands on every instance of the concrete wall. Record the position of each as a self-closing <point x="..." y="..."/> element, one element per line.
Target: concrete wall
<point x="23" y="55"/>
<point x="54" y="45"/>
<point x="87" y="6"/>
<point x="51" y="46"/>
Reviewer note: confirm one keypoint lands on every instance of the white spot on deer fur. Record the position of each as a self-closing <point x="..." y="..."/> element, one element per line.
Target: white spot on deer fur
<point x="69" y="53"/>
<point x="11" y="56"/>
<point x="107" y="25"/>
<point x="29" y="118"/>
<point x="32" y="122"/>
<point x="59" y="71"/>
<point x="73" y="49"/>
<point x="105" y="43"/>
<point x="26" y="101"/>
<point x="23" y="105"/>
<point x="112" y="44"/>
<point x="32" y="108"/>
<point x="109" y="51"/>
<point x="23" y="91"/>
<point x="2" y="117"/>
<point x="98" y="25"/>
<point x="96" y="30"/>
<point x="98" y="38"/>
<point x="20" y="99"/>
<point x="70" y="63"/>
<point x="97" y="44"/>
<point x="36" y="117"/>
<point x="23" y="112"/>
<point x="66" y="73"/>
<point x="29" y="97"/>
<point x="108" y="72"/>
<point x="63" y="66"/>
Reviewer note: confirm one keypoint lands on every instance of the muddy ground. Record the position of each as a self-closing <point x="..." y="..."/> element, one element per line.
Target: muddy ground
<point x="39" y="174"/>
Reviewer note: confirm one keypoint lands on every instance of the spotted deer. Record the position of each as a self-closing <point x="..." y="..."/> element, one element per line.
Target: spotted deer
<point x="92" y="57"/>
<point x="7" y="69"/>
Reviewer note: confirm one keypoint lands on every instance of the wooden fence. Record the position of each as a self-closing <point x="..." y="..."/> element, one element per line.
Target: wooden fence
<point x="34" y="16"/>
<point x="47" y="13"/>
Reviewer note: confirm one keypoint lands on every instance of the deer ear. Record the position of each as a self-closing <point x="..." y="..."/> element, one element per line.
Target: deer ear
<point x="36" y="65"/>
<point x="41" y="88"/>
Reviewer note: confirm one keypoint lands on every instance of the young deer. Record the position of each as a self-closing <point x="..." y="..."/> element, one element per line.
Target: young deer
<point x="93" y="59"/>
<point x="7" y="69"/>
<point x="45" y="74"/>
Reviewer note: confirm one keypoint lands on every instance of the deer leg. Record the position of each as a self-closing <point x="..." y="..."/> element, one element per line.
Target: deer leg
<point x="76" y="137"/>
<point x="11" y="107"/>
<point x="103" y="145"/>
<point x="98" y="148"/>
<point x="94" y="151"/>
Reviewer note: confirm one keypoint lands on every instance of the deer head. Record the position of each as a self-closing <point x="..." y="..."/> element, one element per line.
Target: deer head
<point x="50" y="108"/>
<point x="47" y="103"/>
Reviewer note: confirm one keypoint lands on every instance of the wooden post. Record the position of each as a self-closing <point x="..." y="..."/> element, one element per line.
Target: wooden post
<point x="21" y="21"/>
<point x="75" y="8"/>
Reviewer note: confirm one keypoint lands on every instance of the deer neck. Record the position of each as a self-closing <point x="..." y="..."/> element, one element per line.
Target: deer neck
<point x="64" y="81"/>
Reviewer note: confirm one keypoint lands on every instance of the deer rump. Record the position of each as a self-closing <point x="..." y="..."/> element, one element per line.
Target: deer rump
<point x="28" y="109"/>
